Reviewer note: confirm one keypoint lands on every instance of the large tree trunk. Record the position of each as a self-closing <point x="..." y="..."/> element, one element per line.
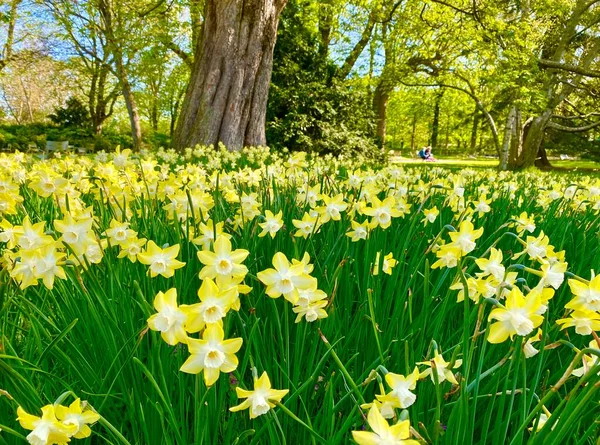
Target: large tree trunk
<point x="226" y="98"/>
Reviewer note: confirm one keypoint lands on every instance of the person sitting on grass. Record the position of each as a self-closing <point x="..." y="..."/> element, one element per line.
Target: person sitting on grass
<point x="425" y="154"/>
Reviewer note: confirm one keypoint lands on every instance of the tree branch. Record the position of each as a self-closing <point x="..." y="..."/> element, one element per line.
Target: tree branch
<point x="582" y="116"/>
<point x="455" y="8"/>
<point x="390" y="15"/>
<point x="573" y="129"/>
<point x="545" y="63"/>
<point x="185" y="57"/>
<point x="345" y="69"/>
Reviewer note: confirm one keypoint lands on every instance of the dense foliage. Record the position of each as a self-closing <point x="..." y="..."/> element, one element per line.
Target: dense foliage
<point x="309" y="108"/>
<point x="507" y="78"/>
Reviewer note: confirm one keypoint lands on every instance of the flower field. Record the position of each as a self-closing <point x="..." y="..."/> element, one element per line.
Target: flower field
<point x="261" y="298"/>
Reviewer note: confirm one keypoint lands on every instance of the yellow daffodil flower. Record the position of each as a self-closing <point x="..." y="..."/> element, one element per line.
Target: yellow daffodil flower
<point x="285" y="278"/>
<point x="170" y="319"/>
<point x="47" y="429"/>
<point x="492" y="265"/>
<point x="214" y="305"/>
<point x="466" y="236"/>
<point x="587" y="294"/>
<point x="398" y="434"/>
<point x="584" y="321"/>
<point x="212" y="354"/>
<point x="518" y="316"/>
<point x="430" y="215"/>
<point x="261" y="399"/>
<point x="161" y="261"/>
<point x="223" y="261"/>
<point x="77" y="415"/>
<point x="441" y="367"/>
<point x="401" y="387"/>
<point x="272" y="224"/>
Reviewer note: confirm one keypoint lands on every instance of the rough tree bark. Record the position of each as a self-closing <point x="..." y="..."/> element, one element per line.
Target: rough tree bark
<point x="226" y="98"/>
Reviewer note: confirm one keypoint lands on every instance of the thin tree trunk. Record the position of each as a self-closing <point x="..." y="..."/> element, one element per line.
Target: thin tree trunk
<point x="325" y="23"/>
<point x="132" y="110"/>
<point x="175" y="102"/>
<point x="413" y="134"/>
<point x="380" y="103"/>
<point x="447" y="137"/>
<point x="226" y="98"/>
<point x="508" y="134"/>
<point x="481" y="135"/>
<point x="106" y="10"/>
<point x="7" y="50"/>
<point x="360" y="45"/>
<point x="435" y="126"/>
<point x="516" y="140"/>
<point x="474" y="128"/>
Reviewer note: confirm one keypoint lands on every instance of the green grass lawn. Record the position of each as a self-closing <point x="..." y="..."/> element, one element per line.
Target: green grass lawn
<point x="570" y="164"/>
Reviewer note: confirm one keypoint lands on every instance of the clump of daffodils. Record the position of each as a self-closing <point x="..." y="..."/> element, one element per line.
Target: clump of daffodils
<point x="293" y="281"/>
<point x="222" y="277"/>
<point x="58" y="424"/>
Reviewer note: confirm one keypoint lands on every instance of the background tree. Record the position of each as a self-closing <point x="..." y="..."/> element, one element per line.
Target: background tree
<point x="9" y="18"/>
<point x="32" y="86"/>
<point x="518" y="80"/>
